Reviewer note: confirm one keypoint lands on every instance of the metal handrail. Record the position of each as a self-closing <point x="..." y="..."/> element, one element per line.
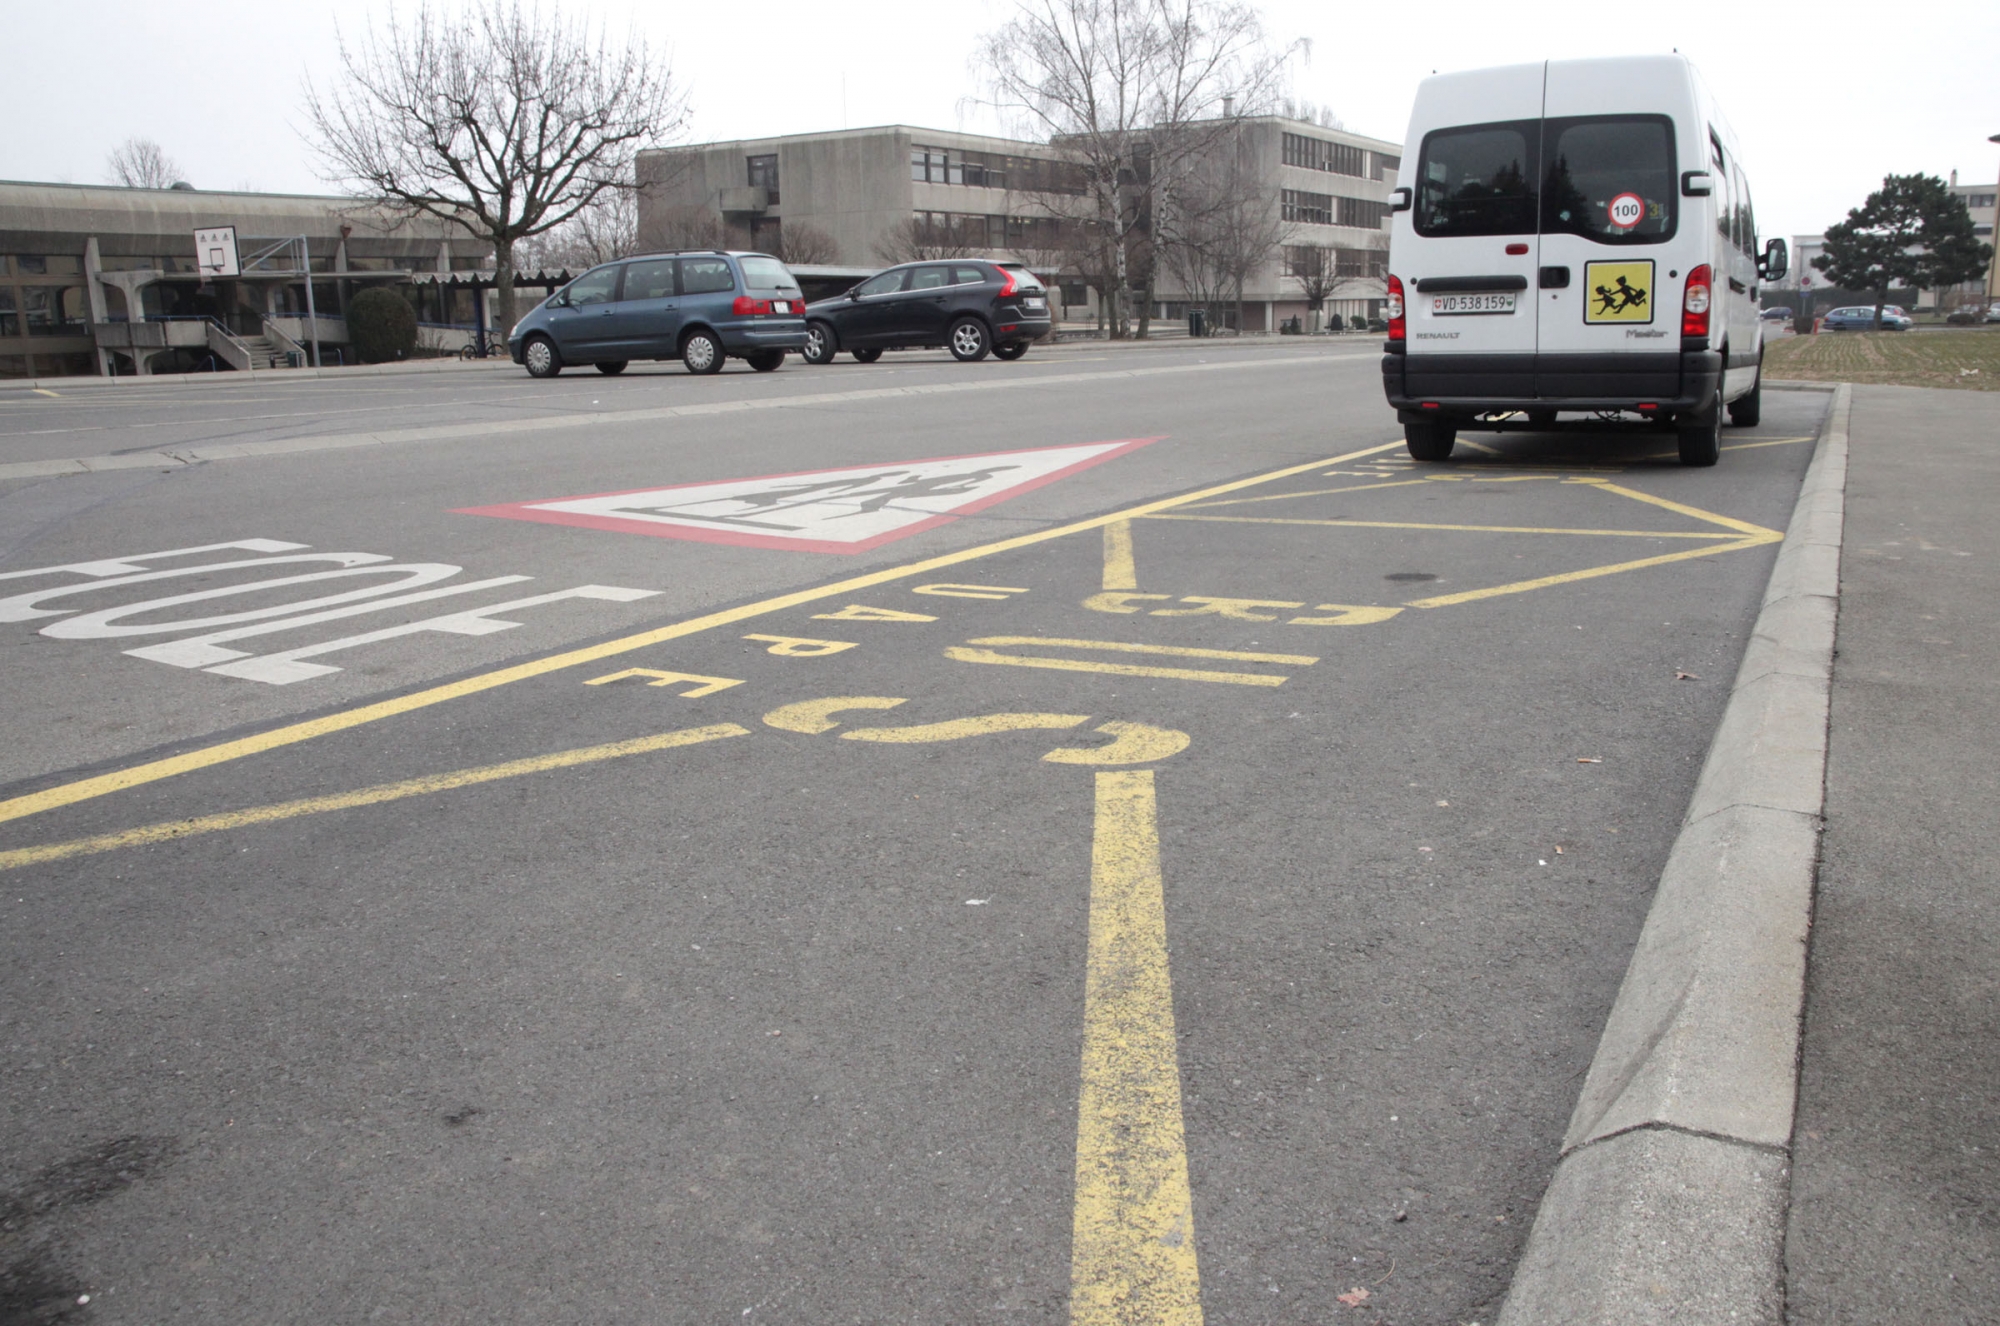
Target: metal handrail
<point x="284" y="342"/>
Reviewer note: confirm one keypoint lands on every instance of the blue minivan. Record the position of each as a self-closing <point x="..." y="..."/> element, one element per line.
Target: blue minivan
<point x="700" y="308"/>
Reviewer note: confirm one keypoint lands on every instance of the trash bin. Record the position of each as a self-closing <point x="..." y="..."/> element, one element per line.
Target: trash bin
<point x="1197" y="322"/>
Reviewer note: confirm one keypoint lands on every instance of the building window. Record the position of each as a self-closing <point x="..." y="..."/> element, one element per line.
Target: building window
<point x="1979" y="200"/>
<point x="1365" y="213"/>
<point x="10" y="321"/>
<point x="985" y="172"/>
<point x="54" y="310"/>
<point x="1319" y="154"/>
<point x="49" y="264"/>
<point x="1075" y="294"/>
<point x="764" y="173"/>
<point x="1312" y="208"/>
<point x="929" y="165"/>
<point x="1360" y="263"/>
<point x="1304" y="260"/>
<point x="1386" y="166"/>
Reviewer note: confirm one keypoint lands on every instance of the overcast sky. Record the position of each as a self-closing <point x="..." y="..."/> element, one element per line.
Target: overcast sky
<point x="1826" y="98"/>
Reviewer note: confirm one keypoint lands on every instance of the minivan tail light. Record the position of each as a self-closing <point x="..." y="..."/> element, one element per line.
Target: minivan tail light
<point x="746" y="307"/>
<point x="1397" y="328"/>
<point x="1695" y="303"/>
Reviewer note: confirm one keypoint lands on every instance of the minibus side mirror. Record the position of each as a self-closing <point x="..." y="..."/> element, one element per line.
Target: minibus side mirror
<point x="1696" y="184"/>
<point x="1777" y="260"/>
<point x="1399" y="200"/>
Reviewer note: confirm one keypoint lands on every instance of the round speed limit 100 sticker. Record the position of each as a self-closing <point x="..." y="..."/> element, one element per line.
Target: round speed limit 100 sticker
<point x="1627" y="210"/>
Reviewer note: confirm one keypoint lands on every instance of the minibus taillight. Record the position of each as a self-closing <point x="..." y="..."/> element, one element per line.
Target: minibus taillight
<point x="1694" y="304"/>
<point x="1397" y="328"/>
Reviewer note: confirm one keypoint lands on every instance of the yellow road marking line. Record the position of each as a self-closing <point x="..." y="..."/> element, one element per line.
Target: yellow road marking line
<point x="1474" y="529"/>
<point x="367" y="796"/>
<point x="1132" y="1253"/>
<point x="961" y="654"/>
<point x="1126" y="647"/>
<point x="1119" y="570"/>
<point x="1738" y="446"/>
<point x="1310" y="492"/>
<point x="1570" y="577"/>
<point x="957" y="729"/>
<point x="1709" y="517"/>
<point x="44" y="391"/>
<point x="83" y="789"/>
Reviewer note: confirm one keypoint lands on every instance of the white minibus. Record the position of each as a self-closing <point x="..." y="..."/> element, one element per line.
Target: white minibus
<point x="1573" y="236"/>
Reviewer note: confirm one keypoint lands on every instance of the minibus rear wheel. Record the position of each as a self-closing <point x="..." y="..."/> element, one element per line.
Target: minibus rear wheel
<point x="1428" y="440"/>
<point x="1701" y="433"/>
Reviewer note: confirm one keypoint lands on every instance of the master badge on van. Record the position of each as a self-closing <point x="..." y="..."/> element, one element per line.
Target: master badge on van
<point x="1619" y="292"/>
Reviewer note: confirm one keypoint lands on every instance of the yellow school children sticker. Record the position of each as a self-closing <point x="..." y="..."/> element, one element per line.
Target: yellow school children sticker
<point x="1618" y="292"/>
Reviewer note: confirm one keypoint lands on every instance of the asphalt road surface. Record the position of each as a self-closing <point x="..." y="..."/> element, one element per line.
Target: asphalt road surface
<point x="1177" y="871"/>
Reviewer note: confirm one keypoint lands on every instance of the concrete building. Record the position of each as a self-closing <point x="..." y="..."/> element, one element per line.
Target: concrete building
<point x="1983" y="202"/>
<point x="871" y="197"/>
<point x="100" y="279"/>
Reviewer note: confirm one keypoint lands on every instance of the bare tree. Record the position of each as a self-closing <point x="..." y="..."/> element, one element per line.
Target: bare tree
<point x="1313" y="268"/>
<point x="1132" y="90"/>
<point x="1298" y="109"/>
<point x="914" y="241"/>
<point x="691" y="226"/>
<point x="500" y="120"/>
<point x="141" y="163"/>
<point x="1214" y="228"/>
<point x="606" y="229"/>
<point x="804" y="243"/>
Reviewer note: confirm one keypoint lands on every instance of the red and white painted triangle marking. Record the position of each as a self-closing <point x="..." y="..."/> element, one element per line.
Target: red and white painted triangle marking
<point x="837" y="511"/>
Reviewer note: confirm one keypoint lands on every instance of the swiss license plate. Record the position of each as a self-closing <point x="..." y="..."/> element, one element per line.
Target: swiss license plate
<point x="1031" y="301"/>
<point x="781" y="306"/>
<point x="1498" y="301"/>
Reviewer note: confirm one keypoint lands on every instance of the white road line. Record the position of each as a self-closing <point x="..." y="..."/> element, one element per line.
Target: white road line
<point x="190" y="455"/>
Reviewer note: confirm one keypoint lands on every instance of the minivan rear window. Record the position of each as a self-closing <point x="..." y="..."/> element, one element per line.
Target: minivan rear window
<point x="1609" y="177"/>
<point x="767" y="274"/>
<point x="1478" y="179"/>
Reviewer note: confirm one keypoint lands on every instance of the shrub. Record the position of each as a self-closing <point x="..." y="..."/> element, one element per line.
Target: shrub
<point x="381" y="326"/>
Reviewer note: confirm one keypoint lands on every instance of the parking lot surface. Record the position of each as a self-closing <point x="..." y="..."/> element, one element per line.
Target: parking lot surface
<point x="1099" y="838"/>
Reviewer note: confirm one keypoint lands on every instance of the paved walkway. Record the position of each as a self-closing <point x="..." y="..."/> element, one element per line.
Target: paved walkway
<point x="1896" y="1182"/>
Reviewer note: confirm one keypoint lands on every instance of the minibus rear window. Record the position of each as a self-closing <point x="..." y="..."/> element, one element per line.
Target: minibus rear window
<point x="1478" y="179"/>
<point x="1609" y="177"/>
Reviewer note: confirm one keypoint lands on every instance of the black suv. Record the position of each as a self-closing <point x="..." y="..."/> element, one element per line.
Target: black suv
<point x="971" y="306"/>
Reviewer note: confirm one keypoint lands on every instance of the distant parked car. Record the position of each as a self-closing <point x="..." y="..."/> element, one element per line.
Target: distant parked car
<point x="1993" y="313"/>
<point x="699" y="307"/>
<point x="1861" y="317"/>
<point x="971" y="306"/>
<point x="1776" y="315"/>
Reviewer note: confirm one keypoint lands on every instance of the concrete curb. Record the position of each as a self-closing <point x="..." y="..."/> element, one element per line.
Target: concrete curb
<point x="1669" y="1202"/>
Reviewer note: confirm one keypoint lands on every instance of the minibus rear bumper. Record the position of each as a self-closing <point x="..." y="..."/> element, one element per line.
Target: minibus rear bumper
<point x="1463" y="386"/>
